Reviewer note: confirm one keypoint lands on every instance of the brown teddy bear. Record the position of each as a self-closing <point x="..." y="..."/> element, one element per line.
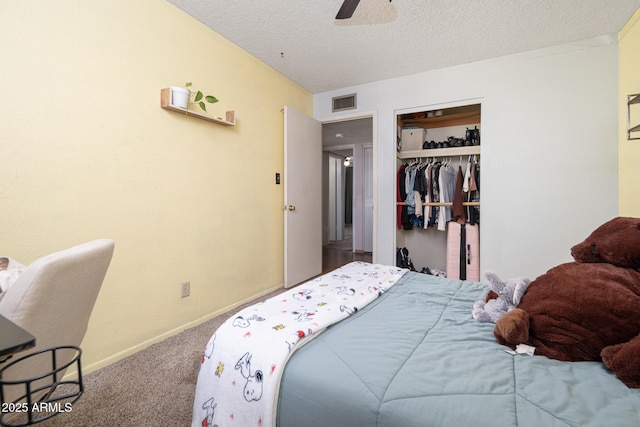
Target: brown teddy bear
<point x="588" y="309"/>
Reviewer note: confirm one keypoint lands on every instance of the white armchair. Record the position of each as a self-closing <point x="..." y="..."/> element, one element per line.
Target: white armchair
<point x="53" y="299"/>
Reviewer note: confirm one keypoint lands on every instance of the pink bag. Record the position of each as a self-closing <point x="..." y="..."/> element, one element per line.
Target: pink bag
<point x="463" y="251"/>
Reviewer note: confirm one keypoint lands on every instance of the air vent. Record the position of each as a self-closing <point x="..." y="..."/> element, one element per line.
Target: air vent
<point x="344" y="102"/>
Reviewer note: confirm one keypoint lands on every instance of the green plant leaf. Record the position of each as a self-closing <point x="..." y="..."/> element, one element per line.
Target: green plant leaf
<point x="188" y="84"/>
<point x="211" y="99"/>
<point x="202" y="105"/>
<point x="199" y="96"/>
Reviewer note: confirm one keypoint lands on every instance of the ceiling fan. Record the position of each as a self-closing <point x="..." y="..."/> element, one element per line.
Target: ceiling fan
<point x="347" y="9"/>
<point x="368" y="12"/>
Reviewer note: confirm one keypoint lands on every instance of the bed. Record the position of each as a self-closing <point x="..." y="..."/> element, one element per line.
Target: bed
<point x="414" y="356"/>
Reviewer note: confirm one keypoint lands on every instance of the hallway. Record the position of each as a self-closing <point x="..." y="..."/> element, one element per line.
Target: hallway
<point x="338" y="253"/>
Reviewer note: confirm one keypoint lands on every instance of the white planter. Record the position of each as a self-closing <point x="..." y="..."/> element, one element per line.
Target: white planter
<point x="180" y="96"/>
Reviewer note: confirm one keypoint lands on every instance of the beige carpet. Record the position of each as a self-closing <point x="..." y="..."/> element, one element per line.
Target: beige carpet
<point x="154" y="387"/>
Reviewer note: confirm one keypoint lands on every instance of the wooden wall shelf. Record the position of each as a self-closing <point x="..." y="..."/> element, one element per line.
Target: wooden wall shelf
<point x="632" y="100"/>
<point x="165" y="103"/>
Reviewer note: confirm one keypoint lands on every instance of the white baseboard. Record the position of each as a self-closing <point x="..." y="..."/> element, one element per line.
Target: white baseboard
<point x="87" y="369"/>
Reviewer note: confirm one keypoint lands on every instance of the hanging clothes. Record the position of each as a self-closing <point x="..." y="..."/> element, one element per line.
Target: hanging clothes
<point x="419" y="191"/>
<point x="421" y="185"/>
<point x="413" y="199"/>
<point x="446" y="184"/>
<point x="428" y="196"/>
<point x="473" y="213"/>
<point x="471" y="191"/>
<point x="399" y="196"/>
<point x="410" y="181"/>
<point x="403" y="221"/>
<point x="435" y="193"/>
<point x="458" y="213"/>
<point x="467" y="177"/>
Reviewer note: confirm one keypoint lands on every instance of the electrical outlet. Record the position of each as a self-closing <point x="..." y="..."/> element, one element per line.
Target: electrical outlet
<point x="186" y="289"/>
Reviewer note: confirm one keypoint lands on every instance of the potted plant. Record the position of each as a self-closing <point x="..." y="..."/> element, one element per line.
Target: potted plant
<point x="180" y="97"/>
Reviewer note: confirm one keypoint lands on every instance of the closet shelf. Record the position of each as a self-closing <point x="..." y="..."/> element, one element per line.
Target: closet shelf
<point x="456" y="116"/>
<point x="440" y="152"/>
<point x="165" y="103"/>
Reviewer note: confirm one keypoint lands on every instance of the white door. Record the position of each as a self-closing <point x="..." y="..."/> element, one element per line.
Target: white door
<point x="302" y="197"/>
<point x="368" y="199"/>
<point x="331" y="202"/>
<point x="340" y="199"/>
<point x="335" y="210"/>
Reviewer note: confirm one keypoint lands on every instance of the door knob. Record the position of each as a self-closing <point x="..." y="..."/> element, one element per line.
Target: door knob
<point x="291" y="208"/>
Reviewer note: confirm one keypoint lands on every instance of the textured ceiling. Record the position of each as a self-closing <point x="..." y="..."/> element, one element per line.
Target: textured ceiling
<point x="301" y="39"/>
<point x="345" y="133"/>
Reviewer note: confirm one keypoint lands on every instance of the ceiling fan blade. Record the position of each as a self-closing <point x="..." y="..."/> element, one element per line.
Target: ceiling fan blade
<point x="347" y="9"/>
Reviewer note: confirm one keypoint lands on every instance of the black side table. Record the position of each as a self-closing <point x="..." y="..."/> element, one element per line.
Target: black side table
<point x="28" y="409"/>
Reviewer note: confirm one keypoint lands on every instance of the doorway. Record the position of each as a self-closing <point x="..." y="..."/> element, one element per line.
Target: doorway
<point x="347" y="192"/>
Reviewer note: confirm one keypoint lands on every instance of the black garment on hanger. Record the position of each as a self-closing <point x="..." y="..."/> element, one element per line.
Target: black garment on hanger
<point x="474" y="196"/>
<point x="404" y="215"/>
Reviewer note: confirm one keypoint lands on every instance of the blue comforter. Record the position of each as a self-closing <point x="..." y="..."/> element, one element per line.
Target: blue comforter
<point x="415" y="357"/>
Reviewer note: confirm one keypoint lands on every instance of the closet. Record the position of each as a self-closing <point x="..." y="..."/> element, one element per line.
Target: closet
<point x="432" y="142"/>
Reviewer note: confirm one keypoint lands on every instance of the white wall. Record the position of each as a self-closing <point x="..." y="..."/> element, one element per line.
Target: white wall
<point x="549" y="153"/>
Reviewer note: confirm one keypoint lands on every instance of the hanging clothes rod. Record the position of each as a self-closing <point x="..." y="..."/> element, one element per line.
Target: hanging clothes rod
<point x="441" y="203"/>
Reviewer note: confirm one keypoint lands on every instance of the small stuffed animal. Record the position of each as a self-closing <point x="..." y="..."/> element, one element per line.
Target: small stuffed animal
<point x="587" y="309"/>
<point x="503" y="297"/>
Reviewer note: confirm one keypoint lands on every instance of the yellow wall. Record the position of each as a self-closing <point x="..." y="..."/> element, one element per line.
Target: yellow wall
<point x="87" y="153"/>
<point x="629" y="151"/>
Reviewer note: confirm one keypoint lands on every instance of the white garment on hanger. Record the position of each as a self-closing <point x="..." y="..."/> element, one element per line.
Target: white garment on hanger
<point x="447" y="183"/>
<point x="467" y="177"/>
